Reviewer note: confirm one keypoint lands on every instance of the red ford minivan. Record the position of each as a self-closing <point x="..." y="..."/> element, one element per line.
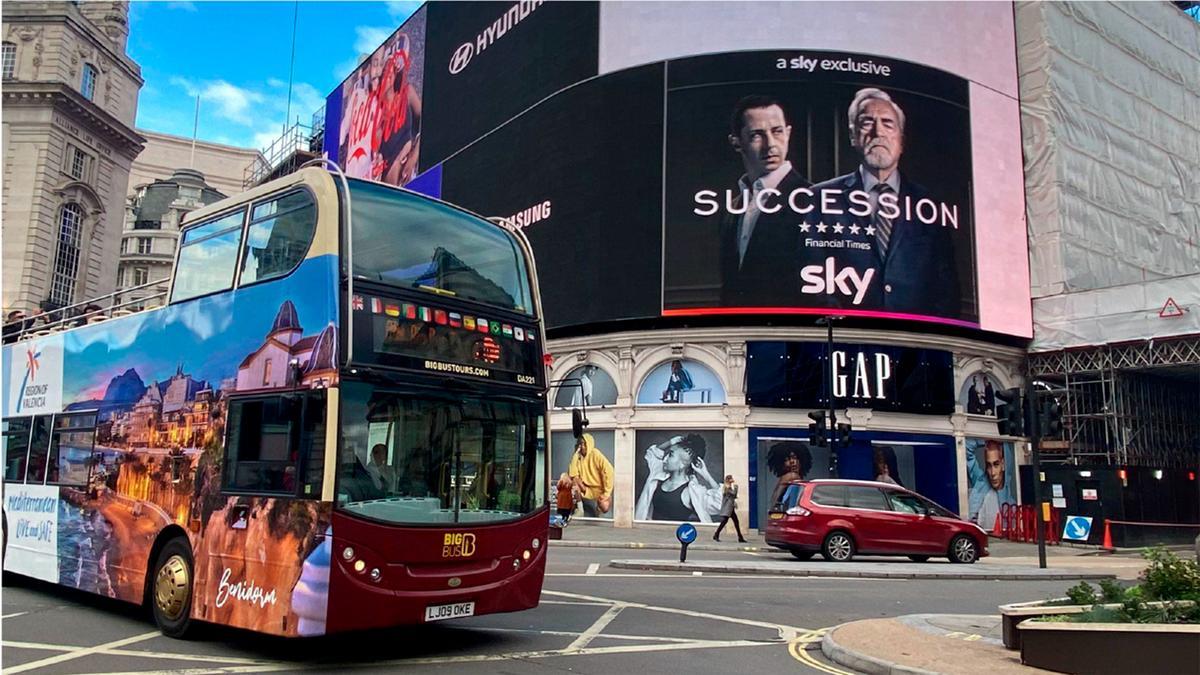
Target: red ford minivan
<point x="841" y="518"/>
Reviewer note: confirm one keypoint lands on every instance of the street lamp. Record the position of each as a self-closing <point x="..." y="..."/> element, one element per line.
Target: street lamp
<point x="827" y="321"/>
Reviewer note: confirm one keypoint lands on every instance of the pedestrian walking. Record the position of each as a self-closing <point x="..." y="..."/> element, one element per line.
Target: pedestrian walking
<point x="565" y="497"/>
<point x="729" y="492"/>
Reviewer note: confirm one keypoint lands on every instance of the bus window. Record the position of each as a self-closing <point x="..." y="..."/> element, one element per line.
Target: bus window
<point x="207" y="257"/>
<point x="267" y="438"/>
<point x="16" y="448"/>
<point x="70" y="449"/>
<point x="39" y="442"/>
<point x="279" y="235"/>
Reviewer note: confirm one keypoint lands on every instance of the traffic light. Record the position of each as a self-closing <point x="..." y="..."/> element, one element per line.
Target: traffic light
<point x="1050" y="417"/>
<point x="844" y="434"/>
<point x="1010" y="415"/>
<point x="818" y="434"/>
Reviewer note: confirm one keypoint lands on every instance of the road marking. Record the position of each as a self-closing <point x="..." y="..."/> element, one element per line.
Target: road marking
<point x="785" y="632"/>
<point x="697" y="574"/>
<point x="763" y="577"/>
<point x="797" y="648"/>
<point x="478" y="658"/>
<point x="174" y="656"/>
<point x="585" y="638"/>
<point x="13" y="616"/>
<point x="606" y="636"/>
<point x="81" y="652"/>
<point x="591" y="570"/>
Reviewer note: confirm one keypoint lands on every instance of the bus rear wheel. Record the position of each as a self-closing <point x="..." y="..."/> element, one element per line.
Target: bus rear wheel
<point x="171" y="588"/>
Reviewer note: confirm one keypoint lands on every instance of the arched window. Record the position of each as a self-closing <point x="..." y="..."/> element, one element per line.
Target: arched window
<point x="88" y="84"/>
<point x="681" y="381"/>
<point x="66" y="255"/>
<point x="10" y="60"/>
<point x="588" y="385"/>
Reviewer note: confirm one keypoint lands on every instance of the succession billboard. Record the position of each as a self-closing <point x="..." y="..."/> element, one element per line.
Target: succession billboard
<point x="810" y="181"/>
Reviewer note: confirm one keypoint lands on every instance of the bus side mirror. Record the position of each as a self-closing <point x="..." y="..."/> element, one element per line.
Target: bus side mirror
<point x="578" y="422"/>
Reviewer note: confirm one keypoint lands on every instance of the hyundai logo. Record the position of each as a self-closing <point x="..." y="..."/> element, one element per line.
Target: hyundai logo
<point x="462" y="56"/>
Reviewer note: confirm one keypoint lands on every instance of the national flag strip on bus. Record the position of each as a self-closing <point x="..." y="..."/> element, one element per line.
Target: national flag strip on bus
<point x="408" y="310"/>
<point x="357" y="303"/>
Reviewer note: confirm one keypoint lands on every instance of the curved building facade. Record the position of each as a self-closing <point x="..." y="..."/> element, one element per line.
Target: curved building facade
<point x="704" y="183"/>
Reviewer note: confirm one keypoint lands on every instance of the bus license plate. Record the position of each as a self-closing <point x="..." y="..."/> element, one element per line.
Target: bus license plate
<point x="454" y="611"/>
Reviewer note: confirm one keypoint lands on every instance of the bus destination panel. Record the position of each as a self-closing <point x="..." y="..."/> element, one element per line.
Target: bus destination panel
<point x="426" y="337"/>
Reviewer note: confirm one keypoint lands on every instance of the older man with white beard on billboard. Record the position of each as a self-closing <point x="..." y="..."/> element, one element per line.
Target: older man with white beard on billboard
<point x="907" y="265"/>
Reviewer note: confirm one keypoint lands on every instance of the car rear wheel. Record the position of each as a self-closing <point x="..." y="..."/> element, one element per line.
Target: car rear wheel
<point x="171" y="588"/>
<point x="963" y="550"/>
<point x="803" y="555"/>
<point x="918" y="558"/>
<point x="838" y="547"/>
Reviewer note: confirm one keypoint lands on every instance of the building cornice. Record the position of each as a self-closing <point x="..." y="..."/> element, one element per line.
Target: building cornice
<point x="796" y="334"/>
<point x="62" y="97"/>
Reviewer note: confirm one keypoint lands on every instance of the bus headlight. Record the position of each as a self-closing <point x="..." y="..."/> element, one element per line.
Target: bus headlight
<point x="359" y="566"/>
<point x="516" y="564"/>
<point x="525" y="555"/>
<point x="376" y="575"/>
<point x="537" y="543"/>
<point x="348" y="554"/>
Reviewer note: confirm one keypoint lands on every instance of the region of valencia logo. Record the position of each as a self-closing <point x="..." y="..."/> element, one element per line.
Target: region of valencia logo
<point x="458" y="545"/>
<point x="31" y="367"/>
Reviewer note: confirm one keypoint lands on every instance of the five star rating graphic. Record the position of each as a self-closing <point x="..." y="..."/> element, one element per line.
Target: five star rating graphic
<point x="837" y="228"/>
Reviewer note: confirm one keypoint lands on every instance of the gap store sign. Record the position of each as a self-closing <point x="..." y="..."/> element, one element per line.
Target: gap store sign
<point x="897" y="379"/>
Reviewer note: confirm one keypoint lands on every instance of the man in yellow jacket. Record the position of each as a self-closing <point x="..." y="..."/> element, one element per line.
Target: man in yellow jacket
<point x="593" y="473"/>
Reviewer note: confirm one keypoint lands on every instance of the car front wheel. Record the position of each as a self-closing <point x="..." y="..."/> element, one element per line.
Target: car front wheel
<point x="838" y="547"/>
<point x="963" y="550"/>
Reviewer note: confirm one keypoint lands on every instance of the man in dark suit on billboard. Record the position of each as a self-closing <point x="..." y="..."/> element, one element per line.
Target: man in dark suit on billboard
<point x="758" y="231"/>
<point x="914" y="262"/>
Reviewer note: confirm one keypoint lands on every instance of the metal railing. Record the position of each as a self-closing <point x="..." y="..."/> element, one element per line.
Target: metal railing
<point x="90" y="311"/>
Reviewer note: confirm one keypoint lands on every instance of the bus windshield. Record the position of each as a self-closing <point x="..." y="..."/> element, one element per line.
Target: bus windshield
<point x="417" y="457"/>
<point x="408" y="241"/>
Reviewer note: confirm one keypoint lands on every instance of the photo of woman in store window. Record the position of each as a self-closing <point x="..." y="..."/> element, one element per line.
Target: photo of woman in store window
<point x="886" y="468"/>
<point x="678" y="485"/>
<point x="789" y="461"/>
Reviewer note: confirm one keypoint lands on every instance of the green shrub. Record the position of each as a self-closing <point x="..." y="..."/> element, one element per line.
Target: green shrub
<point x="1168" y="577"/>
<point x="1111" y="591"/>
<point x="1082" y="594"/>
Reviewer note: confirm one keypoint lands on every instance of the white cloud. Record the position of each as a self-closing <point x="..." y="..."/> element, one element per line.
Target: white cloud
<point x="370" y="37"/>
<point x="276" y="83"/>
<point x="400" y="10"/>
<point x="185" y="6"/>
<point x="232" y="102"/>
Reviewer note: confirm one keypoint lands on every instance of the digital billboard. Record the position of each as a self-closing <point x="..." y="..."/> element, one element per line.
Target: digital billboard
<point x="376" y="112"/>
<point x="664" y="164"/>
<point x="810" y="181"/>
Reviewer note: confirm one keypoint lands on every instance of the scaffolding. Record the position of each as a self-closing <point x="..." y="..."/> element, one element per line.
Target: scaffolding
<point x="1135" y="404"/>
<point x="285" y="154"/>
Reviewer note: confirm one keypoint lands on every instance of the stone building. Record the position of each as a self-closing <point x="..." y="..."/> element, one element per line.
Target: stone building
<point x="69" y="102"/>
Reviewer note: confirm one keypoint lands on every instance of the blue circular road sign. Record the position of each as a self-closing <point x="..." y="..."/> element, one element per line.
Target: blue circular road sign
<point x="686" y="533"/>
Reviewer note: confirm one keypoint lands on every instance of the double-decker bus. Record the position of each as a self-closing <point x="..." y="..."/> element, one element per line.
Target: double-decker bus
<point x="336" y="420"/>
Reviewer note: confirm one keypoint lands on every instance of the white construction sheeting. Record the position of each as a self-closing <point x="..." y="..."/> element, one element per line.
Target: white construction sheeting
<point x="1110" y="112"/>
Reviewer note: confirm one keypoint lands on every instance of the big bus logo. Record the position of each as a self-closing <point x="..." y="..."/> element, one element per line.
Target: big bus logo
<point x="458" y="545"/>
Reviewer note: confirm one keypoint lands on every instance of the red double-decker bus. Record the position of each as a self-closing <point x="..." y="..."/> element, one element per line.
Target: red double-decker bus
<point x="335" y="420"/>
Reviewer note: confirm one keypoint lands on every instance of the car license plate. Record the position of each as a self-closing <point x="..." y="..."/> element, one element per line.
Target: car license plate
<point x="776" y="516"/>
<point x="453" y="611"/>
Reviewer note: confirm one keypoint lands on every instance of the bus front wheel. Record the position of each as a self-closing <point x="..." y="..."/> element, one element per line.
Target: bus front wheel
<point x="171" y="588"/>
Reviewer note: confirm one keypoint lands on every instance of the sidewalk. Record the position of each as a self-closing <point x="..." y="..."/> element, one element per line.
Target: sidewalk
<point x="924" y="643"/>
<point x="1007" y="559"/>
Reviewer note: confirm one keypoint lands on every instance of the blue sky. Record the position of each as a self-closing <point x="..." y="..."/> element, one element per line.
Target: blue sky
<point x="236" y="57"/>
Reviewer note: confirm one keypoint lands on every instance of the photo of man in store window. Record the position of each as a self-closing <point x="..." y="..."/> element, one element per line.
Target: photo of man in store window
<point x="592" y="475"/>
<point x="989" y="480"/>
<point x="755" y="231"/>
<point x="875" y="207"/>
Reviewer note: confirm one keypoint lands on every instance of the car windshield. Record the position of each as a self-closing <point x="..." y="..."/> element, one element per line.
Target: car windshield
<point x="432" y="457"/>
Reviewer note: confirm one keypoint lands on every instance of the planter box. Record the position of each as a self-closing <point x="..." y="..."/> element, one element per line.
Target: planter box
<point x="1117" y="648"/>
<point x="1013" y="615"/>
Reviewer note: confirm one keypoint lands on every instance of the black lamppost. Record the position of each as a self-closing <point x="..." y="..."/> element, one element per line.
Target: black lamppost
<point x="827" y="321"/>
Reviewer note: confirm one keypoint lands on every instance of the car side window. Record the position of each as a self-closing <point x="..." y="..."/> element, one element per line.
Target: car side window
<point x="906" y="503"/>
<point x="790" y="496"/>
<point x="829" y="495"/>
<point x="863" y="497"/>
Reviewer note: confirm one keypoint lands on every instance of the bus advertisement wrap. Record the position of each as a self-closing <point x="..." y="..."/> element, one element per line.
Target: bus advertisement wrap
<point x="157" y="393"/>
